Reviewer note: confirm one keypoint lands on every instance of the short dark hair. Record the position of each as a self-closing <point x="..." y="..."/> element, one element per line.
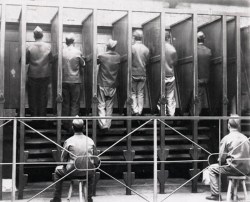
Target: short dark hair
<point x="69" y="41"/>
<point x="234" y="122"/>
<point x="38" y="35"/>
<point x="78" y="128"/>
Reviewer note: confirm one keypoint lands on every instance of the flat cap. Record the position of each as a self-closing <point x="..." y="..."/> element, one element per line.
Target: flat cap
<point x="111" y="43"/>
<point x="78" y="122"/>
<point x="70" y="36"/>
<point x="201" y="35"/>
<point x="38" y="30"/>
<point x="138" y="33"/>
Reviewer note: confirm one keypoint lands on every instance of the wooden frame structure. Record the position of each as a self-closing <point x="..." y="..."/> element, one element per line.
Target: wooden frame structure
<point x="57" y="29"/>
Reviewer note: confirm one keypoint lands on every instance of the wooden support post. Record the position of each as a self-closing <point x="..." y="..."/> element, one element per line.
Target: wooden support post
<point x="22" y="41"/>
<point x="162" y="174"/>
<point x="224" y="67"/>
<point x="195" y="95"/>
<point x="2" y="95"/>
<point x="56" y="39"/>
<point x="238" y="63"/>
<point x="94" y="79"/>
<point x="129" y="176"/>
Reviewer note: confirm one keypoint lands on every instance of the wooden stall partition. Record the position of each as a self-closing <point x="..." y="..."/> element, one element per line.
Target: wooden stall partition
<point x="231" y="67"/>
<point x="120" y="33"/>
<point x="56" y="41"/>
<point x="22" y="42"/>
<point x="87" y="44"/>
<point x="183" y="34"/>
<point x="155" y="75"/>
<point x="245" y="52"/>
<point x="213" y="40"/>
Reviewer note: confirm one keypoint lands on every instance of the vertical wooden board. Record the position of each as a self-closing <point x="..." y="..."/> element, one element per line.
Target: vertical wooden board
<point x="54" y="47"/>
<point x="245" y="52"/>
<point x="12" y="75"/>
<point x="152" y="39"/>
<point x="120" y="33"/>
<point x="213" y="40"/>
<point x="231" y="64"/>
<point x="87" y="40"/>
<point x="183" y="42"/>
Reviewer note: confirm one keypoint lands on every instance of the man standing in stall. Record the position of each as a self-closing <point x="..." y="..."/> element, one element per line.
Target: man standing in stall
<point x="72" y="64"/>
<point x="170" y="62"/>
<point x="140" y="58"/>
<point x="204" y="58"/>
<point x="109" y="64"/>
<point x="39" y="57"/>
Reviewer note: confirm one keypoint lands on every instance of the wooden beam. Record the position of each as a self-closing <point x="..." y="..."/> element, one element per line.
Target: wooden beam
<point x="238" y="64"/>
<point x="224" y="67"/>
<point x="22" y="41"/>
<point x="195" y="61"/>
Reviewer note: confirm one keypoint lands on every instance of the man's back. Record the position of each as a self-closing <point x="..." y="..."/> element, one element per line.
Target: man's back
<point x="204" y="57"/>
<point x="38" y="57"/>
<point x="72" y="61"/>
<point x="108" y="70"/>
<point x="170" y="59"/>
<point x="79" y="145"/>
<point x="140" y="57"/>
<point x="236" y="146"/>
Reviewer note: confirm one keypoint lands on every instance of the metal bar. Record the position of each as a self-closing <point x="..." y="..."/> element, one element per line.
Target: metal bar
<point x="133" y="118"/>
<point x="155" y="161"/>
<point x="219" y="158"/>
<point x="238" y="63"/>
<point x="224" y="67"/>
<point x="14" y="150"/>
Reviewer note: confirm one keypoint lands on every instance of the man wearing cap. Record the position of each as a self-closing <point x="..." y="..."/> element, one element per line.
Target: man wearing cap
<point x="204" y="58"/>
<point x="77" y="149"/>
<point x="109" y="64"/>
<point x="233" y="147"/>
<point x="39" y="57"/>
<point x="72" y="65"/>
<point x="170" y="62"/>
<point x="140" y="58"/>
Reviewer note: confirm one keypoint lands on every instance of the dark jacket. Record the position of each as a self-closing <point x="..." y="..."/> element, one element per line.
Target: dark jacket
<point x="140" y="58"/>
<point x="204" y="58"/>
<point x="39" y="57"/>
<point x="108" y="69"/>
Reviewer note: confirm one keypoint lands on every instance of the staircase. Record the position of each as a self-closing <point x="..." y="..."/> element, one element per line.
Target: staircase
<point x="40" y="149"/>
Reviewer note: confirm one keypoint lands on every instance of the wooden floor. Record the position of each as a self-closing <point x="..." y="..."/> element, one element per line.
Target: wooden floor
<point x="111" y="191"/>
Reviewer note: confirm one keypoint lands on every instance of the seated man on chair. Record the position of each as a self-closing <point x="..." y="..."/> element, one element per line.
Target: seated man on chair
<point x="75" y="147"/>
<point x="233" y="146"/>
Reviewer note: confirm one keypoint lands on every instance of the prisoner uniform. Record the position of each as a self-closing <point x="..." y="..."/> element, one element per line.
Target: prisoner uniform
<point x="140" y="58"/>
<point x="107" y="82"/>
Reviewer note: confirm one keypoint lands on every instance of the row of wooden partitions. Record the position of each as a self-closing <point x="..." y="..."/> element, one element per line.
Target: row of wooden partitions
<point x="227" y="35"/>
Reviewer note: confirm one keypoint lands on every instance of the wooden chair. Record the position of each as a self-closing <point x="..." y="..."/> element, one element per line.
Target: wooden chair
<point x="233" y="185"/>
<point x="82" y="193"/>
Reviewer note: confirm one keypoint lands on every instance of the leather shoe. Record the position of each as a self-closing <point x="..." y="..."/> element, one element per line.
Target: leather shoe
<point x="214" y="198"/>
